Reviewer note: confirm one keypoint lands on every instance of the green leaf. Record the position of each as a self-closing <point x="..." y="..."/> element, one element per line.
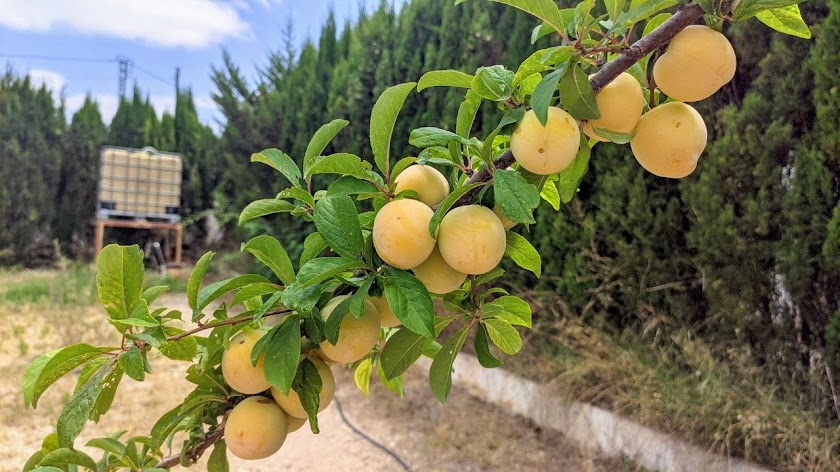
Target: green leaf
<point x="64" y="457"/>
<point x="215" y="290"/>
<point x="321" y="269"/>
<point x="269" y="304"/>
<point x="254" y="290"/>
<point x="349" y="185"/>
<point x="401" y="351"/>
<point x="182" y="350"/>
<point x="308" y="386"/>
<point x="614" y="136"/>
<point x="440" y="373"/>
<point x="520" y="250"/>
<point x="503" y="335"/>
<point x="541" y="61"/>
<point x="110" y="445"/>
<point x="110" y="382"/>
<point x="515" y="196"/>
<point x="577" y="95"/>
<point x="571" y="176"/>
<point x="444" y="78"/>
<point x="320" y="140"/>
<point x="550" y="194"/>
<point x="410" y="301"/>
<point x="152" y="293"/>
<point x="342" y="163"/>
<point x="218" y="458"/>
<point x="119" y="279"/>
<point x="482" y="349"/>
<point x="395" y="385"/>
<point x="268" y="250"/>
<point x="383" y="117"/>
<point x="545" y="10"/>
<point x="132" y="363"/>
<point x="337" y="220"/>
<point x="76" y="412"/>
<point x="197" y="275"/>
<point x="313" y="245"/>
<point x="429" y="136"/>
<point x="332" y="325"/>
<point x="282" y="353"/>
<point x="786" y="20"/>
<point x="362" y="374"/>
<point x="281" y="162"/>
<point x="266" y="206"/>
<point x="493" y="83"/>
<point x="53" y="365"/>
<point x="402" y="165"/>
<point x="446" y="204"/>
<point x="748" y="8"/>
<point x="544" y="93"/>
<point x="614" y="7"/>
<point x="297" y="193"/>
<point x="641" y="12"/>
<point x="513" y="310"/>
<point x="466" y="114"/>
<point x="357" y="304"/>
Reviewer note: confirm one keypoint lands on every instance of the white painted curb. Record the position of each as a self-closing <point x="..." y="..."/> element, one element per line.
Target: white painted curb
<point x="592" y="428"/>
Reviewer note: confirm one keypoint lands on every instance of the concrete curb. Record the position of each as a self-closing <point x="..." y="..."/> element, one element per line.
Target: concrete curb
<point x="592" y="428"/>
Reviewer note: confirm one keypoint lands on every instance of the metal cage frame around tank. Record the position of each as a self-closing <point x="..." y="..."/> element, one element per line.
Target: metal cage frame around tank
<point x="171" y="214"/>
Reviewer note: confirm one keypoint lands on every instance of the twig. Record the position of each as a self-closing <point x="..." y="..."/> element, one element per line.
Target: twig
<point x="231" y="321"/>
<point x="194" y="453"/>
<point x="661" y="36"/>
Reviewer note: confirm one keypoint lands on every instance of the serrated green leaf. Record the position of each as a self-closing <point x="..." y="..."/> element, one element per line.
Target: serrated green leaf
<point x="614" y="7"/>
<point x="282" y="353"/>
<point x="466" y="114"/>
<point x="320" y="140"/>
<point x="182" y="350"/>
<point x="641" y="12"/>
<point x="281" y="162"/>
<point x="541" y="61"/>
<point x="349" y="185"/>
<point x="482" y="349"/>
<point x="493" y="83"/>
<point x="357" y="305"/>
<point x="362" y="375"/>
<point x="196" y="277"/>
<point x="266" y="206"/>
<point x="48" y="368"/>
<point x="444" y="78"/>
<point x="110" y="445"/>
<point x="152" y="293"/>
<point x="786" y="20"/>
<point x="332" y="325"/>
<point x="748" y="8"/>
<point x="395" y="385"/>
<point x="337" y="220"/>
<point x="119" y="279"/>
<point x="545" y="10"/>
<point x="254" y="290"/>
<point x="110" y="382"/>
<point x="513" y="310"/>
<point x="308" y="386"/>
<point x="297" y="193"/>
<point x="313" y="245"/>
<point x="342" y="163"/>
<point x="65" y="457"/>
<point x="269" y="304"/>
<point x="268" y="250"/>
<point x="446" y="204"/>
<point x="401" y="351"/>
<point x="515" y="196"/>
<point x="132" y="363"/>
<point x="383" y="117"/>
<point x="615" y="136"/>
<point x="571" y="176"/>
<point x="402" y="165"/>
<point x="76" y="412"/>
<point x="429" y="136"/>
<point x="503" y="335"/>
<point x="321" y="269"/>
<point x="577" y="95"/>
<point x="440" y="373"/>
<point x="410" y="301"/>
<point x="215" y="290"/>
<point x="550" y="194"/>
<point x="520" y="250"/>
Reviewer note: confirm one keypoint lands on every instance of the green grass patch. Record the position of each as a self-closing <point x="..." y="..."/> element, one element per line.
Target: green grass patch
<point x="73" y="286"/>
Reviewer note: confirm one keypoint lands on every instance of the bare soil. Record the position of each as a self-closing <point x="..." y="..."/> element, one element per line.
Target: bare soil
<point x="463" y="435"/>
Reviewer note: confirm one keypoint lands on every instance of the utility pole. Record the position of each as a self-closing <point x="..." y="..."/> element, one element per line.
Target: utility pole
<point x="125" y="63"/>
<point x="177" y="81"/>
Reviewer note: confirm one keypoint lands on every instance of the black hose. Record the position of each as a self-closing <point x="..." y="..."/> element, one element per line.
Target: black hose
<point x="370" y="439"/>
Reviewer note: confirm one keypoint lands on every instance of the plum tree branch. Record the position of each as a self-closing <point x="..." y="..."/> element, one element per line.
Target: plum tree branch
<point x="662" y="35"/>
<point x="231" y="321"/>
<point x="194" y="453"/>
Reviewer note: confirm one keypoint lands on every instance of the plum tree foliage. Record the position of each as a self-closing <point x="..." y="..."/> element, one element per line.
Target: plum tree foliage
<point x="446" y="214"/>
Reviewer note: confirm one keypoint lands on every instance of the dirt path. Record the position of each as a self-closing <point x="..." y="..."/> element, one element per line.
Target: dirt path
<point x="463" y="435"/>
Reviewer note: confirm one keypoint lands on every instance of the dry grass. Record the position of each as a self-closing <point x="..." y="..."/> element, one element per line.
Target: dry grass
<point x="679" y="387"/>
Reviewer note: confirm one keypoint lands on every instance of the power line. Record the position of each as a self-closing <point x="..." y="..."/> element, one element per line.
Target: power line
<point x="152" y="75"/>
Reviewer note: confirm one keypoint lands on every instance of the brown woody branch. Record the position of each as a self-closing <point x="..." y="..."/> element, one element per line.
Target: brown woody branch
<point x="194" y="453"/>
<point x="661" y="36"/>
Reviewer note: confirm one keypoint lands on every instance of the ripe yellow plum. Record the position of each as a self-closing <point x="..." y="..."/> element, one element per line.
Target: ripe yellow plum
<point x="471" y="239"/>
<point x="356" y="336"/>
<point x="506" y="222"/>
<point x="438" y="276"/>
<point x="236" y="364"/>
<point x="431" y="186"/>
<point x="546" y="149"/>
<point x="386" y="314"/>
<point x="698" y="62"/>
<point x="401" y="233"/>
<point x="295" y="423"/>
<point x="669" y="140"/>
<point x="255" y="428"/>
<point x="621" y="103"/>
<point x="291" y="403"/>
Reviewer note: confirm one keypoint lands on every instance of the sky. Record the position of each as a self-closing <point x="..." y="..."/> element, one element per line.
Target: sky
<point x="40" y="37"/>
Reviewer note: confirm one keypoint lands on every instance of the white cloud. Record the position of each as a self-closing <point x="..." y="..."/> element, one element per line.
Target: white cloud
<point x="51" y="79"/>
<point x="189" y="23"/>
